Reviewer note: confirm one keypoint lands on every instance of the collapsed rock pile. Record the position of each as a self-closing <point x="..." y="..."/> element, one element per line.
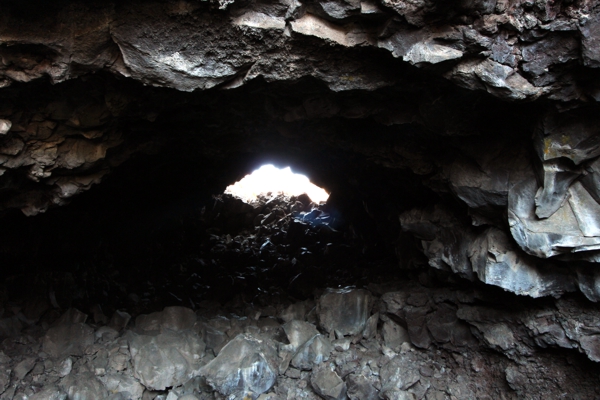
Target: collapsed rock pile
<point x="405" y="343"/>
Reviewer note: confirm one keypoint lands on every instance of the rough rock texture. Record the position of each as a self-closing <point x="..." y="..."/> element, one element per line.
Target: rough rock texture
<point x="460" y="144"/>
<point x="480" y="349"/>
<point x="423" y="335"/>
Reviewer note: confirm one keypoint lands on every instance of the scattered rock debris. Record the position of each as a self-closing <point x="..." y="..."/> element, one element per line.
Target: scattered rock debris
<point x="280" y="330"/>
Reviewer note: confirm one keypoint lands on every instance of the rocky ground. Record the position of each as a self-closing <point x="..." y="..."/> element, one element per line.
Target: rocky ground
<point x="269" y="300"/>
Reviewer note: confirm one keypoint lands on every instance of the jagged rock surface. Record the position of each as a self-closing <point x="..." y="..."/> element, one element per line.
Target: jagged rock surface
<point x="464" y="132"/>
<point x="421" y="338"/>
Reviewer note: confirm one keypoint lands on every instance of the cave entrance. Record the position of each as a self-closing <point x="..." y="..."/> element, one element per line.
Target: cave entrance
<point x="277" y="181"/>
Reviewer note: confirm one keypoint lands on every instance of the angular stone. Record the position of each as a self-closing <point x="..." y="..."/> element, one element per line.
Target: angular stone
<point x="558" y="177"/>
<point x="394" y="335"/>
<point x="49" y="393"/>
<point x="23" y="368"/>
<point x="359" y="388"/>
<point x="481" y="179"/>
<point x="344" y="311"/>
<point x="341" y="344"/>
<point x="590" y="32"/>
<point x="417" y="329"/>
<point x="294" y="311"/>
<point x="398" y="375"/>
<point x="312" y="353"/>
<point x="64" y="367"/>
<point x="119" y="320"/>
<point x="245" y="364"/>
<point x="172" y="318"/>
<point x="327" y="383"/>
<point x="432" y="53"/>
<point x="497" y="79"/>
<point x="487" y="255"/>
<point x="311" y="25"/>
<point x="498" y="262"/>
<point x="445" y="327"/>
<point x="561" y="137"/>
<point x="4" y="378"/>
<point x="573" y="228"/>
<point x="72" y="316"/>
<point x="394" y="301"/>
<point x="5" y="126"/>
<point x="260" y="20"/>
<point x="120" y="383"/>
<point x="105" y="333"/>
<point x="371" y="326"/>
<point x="214" y="338"/>
<point x="167" y="359"/>
<point x="68" y="340"/>
<point x="552" y="49"/>
<point x="299" y="332"/>
<point x="83" y="387"/>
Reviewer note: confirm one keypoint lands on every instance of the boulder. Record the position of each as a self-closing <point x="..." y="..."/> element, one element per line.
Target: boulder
<point x="167" y="359"/>
<point x="397" y="376"/>
<point x="171" y="318"/>
<point x="121" y="383"/>
<point x="327" y="383"/>
<point x="313" y="352"/>
<point x="299" y="332"/>
<point x="344" y="311"/>
<point x="245" y="365"/>
<point x="83" y="387"/>
<point x="68" y="339"/>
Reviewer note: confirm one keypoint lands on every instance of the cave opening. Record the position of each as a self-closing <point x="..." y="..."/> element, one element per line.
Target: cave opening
<point x="271" y="180"/>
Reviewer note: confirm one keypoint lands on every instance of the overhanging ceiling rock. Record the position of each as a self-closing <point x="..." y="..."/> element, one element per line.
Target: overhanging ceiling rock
<point x="514" y="51"/>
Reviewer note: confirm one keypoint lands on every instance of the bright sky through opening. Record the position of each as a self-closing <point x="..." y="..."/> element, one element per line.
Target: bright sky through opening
<point x="270" y="179"/>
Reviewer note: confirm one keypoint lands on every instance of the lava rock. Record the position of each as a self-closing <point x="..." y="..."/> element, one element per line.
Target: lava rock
<point x="120" y="383"/>
<point x="394" y="335"/>
<point x="23" y="368"/>
<point x="119" y="320"/>
<point x="327" y="383"/>
<point x="68" y="340"/>
<point x="214" y="338"/>
<point x="167" y="359"/>
<point x="5" y="126"/>
<point x="171" y="318"/>
<point x="245" y="365"/>
<point x="397" y="376"/>
<point x="359" y="388"/>
<point x="299" y="332"/>
<point x="83" y="387"/>
<point x="344" y="311"/>
<point x="10" y="327"/>
<point x="312" y="353"/>
<point x="49" y="393"/>
<point x="4" y="378"/>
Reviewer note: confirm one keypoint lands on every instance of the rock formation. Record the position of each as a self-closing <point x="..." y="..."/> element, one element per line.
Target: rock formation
<point x="459" y="140"/>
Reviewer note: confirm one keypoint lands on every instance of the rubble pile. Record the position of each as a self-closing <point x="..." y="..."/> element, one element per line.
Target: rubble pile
<point x="286" y="324"/>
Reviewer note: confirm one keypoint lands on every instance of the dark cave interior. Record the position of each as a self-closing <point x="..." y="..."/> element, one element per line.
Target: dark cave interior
<point x="180" y="150"/>
<point x="158" y="233"/>
<point x="147" y="218"/>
